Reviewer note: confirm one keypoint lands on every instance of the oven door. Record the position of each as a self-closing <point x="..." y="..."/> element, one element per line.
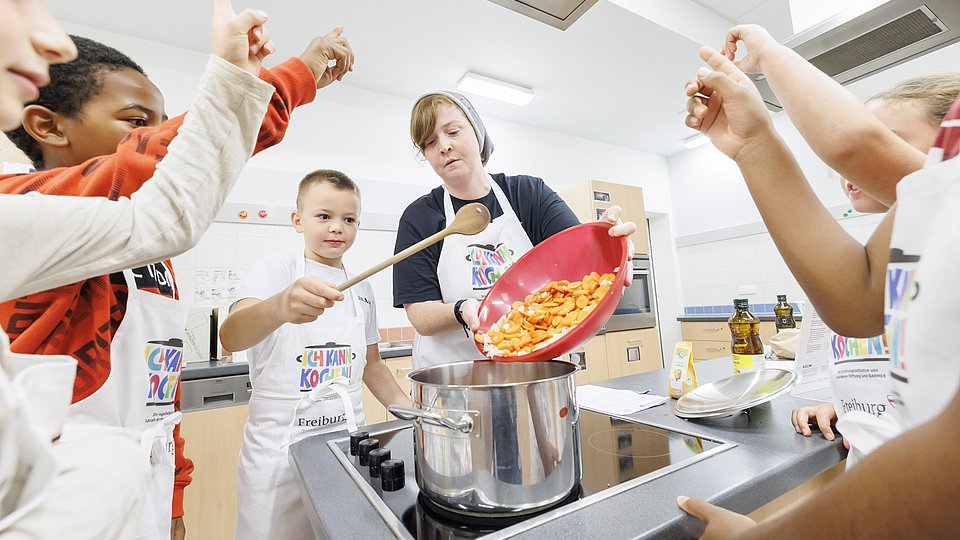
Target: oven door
<point x="637" y="308"/>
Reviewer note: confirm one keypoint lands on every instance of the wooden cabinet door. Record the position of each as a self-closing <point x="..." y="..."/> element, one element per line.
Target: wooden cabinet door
<point x="705" y="331"/>
<point x="400" y="367"/>
<point x="373" y="410"/>
<point x="707" y="350"/>
<point x="593" y="362"/>
<point x="633" y="351"/>
<point x="213" y="439"/>
<point x="630" y="199"/>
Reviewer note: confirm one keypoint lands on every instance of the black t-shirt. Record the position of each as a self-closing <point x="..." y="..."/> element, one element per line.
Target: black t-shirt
<point x="540" y="210"/>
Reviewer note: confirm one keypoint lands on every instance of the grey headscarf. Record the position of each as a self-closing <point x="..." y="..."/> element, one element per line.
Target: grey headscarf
<point x="486" y="145"/>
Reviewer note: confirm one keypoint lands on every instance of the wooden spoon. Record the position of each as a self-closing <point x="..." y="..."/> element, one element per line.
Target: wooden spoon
<point x="470" y="219"/>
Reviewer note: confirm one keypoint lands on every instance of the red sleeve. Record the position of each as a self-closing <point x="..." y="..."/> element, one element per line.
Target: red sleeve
<point x="123" y="172"/>
<point x="184" y="466"/>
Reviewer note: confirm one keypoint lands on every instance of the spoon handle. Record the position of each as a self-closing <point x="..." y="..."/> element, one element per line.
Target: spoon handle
<point x="421" y="245"/>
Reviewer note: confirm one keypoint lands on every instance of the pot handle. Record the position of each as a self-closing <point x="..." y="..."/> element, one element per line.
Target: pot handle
<point x="463" y="425"/>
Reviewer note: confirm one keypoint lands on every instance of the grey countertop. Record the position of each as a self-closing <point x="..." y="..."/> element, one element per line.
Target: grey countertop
<point x="769" y="460"/>
<point x="195" y="371"/>
<point x="721" y="317"/>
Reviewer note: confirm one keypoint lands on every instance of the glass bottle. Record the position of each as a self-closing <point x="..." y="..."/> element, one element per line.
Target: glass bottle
<point x="784" y="313"/>
<point x="745" y="341"/>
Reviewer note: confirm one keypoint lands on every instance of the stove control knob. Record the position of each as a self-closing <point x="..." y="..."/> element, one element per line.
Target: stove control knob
<point x="377" y="457"/>
<point x="355" y="439"/>
<point x="392" y="476"/>
<point x="364" y="447"/>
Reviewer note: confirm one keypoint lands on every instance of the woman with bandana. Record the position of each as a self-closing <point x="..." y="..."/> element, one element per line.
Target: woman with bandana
<point x="441" y="287"/>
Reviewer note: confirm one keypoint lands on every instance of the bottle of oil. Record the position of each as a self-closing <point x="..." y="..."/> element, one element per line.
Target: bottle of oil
<point x="784" y="313"/>
<point x="745" y="341"/>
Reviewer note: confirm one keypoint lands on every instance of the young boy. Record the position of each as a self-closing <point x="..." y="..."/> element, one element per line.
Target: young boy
<point x="91" y="105"/>
<point x="42" y="477"/>
<point x="309" y="354"/>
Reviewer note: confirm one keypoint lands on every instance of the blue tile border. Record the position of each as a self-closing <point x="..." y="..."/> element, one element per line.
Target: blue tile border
<point x="756" y="309"/>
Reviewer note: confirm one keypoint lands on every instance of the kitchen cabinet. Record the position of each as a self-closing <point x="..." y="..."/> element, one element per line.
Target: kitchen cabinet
<point x="711" y="339"/>
<point x="213" y="439"/>
<point x="374" y="411"/>
<point x="592" y="359"/>
<point x="589" y="199"/>
<point x="633" y="351"/>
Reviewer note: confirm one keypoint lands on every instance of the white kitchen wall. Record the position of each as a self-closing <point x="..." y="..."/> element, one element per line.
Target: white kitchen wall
<point x="715" y="272"/>
<point x="365" y="134"/>
<point x="241" y="246"/>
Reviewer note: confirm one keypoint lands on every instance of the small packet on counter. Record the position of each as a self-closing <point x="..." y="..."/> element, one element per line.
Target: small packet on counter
<point x="682" y="377"/>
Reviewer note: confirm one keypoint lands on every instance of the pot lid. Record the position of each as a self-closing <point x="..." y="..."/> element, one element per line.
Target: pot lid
<point x="735" y="393"/>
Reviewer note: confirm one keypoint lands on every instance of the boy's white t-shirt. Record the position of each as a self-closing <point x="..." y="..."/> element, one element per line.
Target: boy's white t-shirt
<point x="277" y="272"/>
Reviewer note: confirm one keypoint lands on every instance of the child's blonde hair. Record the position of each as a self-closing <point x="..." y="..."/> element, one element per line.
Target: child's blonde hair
<point x="336" y="179"/>
<point x="935" y="93"/>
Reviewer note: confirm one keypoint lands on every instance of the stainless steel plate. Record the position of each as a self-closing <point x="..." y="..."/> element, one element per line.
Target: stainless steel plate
<point x="735" y="393"/>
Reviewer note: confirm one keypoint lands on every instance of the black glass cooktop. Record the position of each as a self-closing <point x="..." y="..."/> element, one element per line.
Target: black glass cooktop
<point x="616" y="453"/>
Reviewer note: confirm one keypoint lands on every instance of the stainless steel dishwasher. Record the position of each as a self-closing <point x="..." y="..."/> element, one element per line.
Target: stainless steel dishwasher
<point x="214" y="392"/>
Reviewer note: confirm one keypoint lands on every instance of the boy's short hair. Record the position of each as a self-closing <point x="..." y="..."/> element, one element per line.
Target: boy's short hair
<point x="336" y="179"/>
<point x="72" y="85"/>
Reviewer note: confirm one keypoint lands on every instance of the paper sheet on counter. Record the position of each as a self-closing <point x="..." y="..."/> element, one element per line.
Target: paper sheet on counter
<point x="614" y="401"/>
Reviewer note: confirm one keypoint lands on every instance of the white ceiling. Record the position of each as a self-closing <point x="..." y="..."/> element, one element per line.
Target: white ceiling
<point x="613" y="76"/>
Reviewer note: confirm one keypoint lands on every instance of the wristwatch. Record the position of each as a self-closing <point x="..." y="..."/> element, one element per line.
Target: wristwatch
<point x="459" y="316"/>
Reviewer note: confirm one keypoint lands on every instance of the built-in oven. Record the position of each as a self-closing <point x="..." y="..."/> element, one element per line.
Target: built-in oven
<point x="638" y="306"/>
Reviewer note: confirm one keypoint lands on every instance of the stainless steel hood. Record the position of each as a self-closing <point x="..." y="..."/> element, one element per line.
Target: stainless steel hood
<point x="857" y="43"/>
<point x="557" y="13"/>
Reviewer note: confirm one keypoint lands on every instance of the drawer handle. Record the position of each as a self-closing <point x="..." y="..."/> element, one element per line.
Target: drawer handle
<point x="713" y="329"/>
<point x="219" y="398"/>
<point x="716" y="348"/>
<point x="635" y="340"/>
<point x="404" y="369"/>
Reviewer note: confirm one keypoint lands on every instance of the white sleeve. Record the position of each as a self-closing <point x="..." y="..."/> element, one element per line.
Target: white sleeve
<point x="49" y="241"/>
<point x="267" y="278"/>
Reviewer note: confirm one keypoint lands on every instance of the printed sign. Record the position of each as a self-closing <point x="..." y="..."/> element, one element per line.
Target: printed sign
<point x="164" y="360"/>
<point x="487" y="264"/>
<point x="320" y="363"/>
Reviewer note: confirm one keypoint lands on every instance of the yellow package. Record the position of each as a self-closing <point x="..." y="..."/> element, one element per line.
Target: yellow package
<point x="682" y="377"/>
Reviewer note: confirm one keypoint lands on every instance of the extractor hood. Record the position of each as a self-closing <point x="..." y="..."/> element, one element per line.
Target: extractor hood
<point x="857" y="43"/>
<point x="557" y="13"/>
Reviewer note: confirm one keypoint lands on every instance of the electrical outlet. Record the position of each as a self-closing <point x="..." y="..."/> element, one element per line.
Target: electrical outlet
<point x="747" y="290"/>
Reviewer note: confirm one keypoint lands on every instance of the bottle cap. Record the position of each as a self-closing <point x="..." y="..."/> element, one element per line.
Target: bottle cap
<point x="781" y="298"/>
<point x="741" y="303"/>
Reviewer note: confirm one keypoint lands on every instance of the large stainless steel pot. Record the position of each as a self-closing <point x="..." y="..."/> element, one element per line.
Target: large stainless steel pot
<point x="495" y="437"/>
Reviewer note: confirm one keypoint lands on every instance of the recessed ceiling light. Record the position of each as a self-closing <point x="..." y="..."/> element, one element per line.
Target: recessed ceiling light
<point x="697" y="140"/>
<point x="481" y="85"/>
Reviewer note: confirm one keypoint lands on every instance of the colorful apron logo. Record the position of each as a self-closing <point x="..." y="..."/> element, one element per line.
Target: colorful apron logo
<point x="902" y="290"/>
<point x="164" y="360"/>
<point x="320" y="363"/>
<point x="487" y="264"/>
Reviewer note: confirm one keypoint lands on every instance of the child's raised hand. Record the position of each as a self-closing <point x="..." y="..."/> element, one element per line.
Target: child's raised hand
<point x="756" y="39"/>
<point x="240" y="38"/>
<point x="724" y="105"/>
<point x="306" y="299"/>
<point x="323" y="49"/>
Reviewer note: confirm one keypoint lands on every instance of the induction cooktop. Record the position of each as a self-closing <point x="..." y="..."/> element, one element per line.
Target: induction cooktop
<point x="617" y="454"/>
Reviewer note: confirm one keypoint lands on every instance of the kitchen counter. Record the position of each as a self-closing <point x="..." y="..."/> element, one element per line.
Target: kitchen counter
<point x="769" y="460"/>
<point x="721" y="317"/>
<point x="194" y="371"/>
